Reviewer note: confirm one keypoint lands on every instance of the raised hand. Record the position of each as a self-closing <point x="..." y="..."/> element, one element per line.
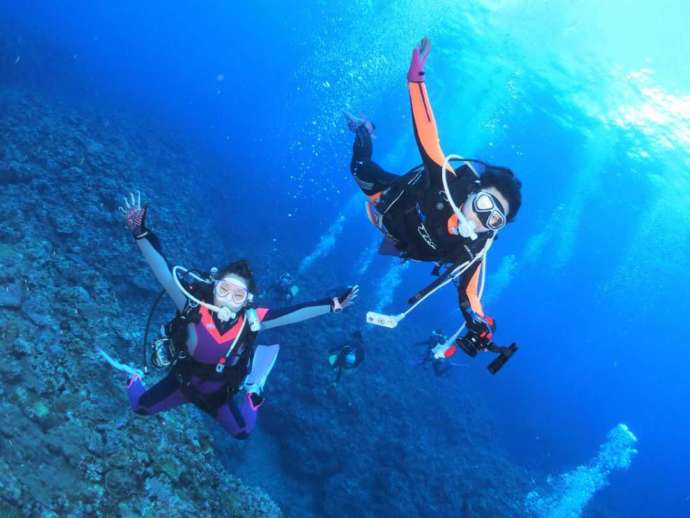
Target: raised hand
<point x="420" y="54"/>
<point x="346" y="299"/>
<point x="134" y="214"/>
<point x="355" y="123"/>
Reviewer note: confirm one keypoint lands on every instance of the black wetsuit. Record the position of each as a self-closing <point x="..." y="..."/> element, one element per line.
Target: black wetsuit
<point x="416" y="215"/>
<point x="414" y="207"/>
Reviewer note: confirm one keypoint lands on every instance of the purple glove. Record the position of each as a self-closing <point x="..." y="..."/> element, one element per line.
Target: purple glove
<point x="415" y="74"/>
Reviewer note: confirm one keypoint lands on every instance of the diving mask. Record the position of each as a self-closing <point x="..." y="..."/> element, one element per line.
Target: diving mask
<point x="489" y="210"/>
<point x="231" y="292"/>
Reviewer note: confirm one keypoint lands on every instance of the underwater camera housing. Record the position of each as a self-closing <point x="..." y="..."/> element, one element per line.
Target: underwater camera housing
<point x="472" y="344"/>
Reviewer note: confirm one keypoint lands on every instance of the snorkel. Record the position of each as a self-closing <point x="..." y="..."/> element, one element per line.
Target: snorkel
<point x="225" y="312"/>
<point x="466" y="228"/>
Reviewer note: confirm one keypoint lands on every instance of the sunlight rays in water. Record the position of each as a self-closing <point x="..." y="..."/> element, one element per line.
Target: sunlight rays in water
<point x="661" y="117"/>
<point x="621" y="112"/>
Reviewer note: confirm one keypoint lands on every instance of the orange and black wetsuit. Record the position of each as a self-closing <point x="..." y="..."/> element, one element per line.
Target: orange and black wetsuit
<point x="414" y="209"/>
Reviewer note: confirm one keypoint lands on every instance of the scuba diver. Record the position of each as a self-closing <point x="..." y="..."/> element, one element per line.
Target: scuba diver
<point x="436" y="337"/>
<point x="286" y="288"/>
<point x="437" y="352"/>
<point x="209" y="345"/>
<point x="347" y="357"/>
<point x="436" y="213"/>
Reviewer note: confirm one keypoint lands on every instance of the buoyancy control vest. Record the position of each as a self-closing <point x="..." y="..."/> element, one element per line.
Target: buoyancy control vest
<point x="416" y="213"/>
<point x="217" y="356"/>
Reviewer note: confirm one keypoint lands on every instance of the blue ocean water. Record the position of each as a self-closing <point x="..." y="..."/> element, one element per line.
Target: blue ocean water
<point x="588" y="103"/>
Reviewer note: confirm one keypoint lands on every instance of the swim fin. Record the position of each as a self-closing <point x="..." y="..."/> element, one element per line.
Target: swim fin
<point x="264" y="359"/>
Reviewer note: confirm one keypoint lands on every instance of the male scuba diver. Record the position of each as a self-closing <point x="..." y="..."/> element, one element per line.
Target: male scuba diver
<point x="436" y="213"/>
<point x="209" y="346"/>
<point x="347" y="357"/>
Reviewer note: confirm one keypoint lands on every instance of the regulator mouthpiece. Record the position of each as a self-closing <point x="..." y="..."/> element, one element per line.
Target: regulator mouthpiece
<point x="225" y="314"/>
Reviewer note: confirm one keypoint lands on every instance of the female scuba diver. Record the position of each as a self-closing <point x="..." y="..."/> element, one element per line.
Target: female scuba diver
<point x="434" y="212"/>
<point x="209" y="346"/>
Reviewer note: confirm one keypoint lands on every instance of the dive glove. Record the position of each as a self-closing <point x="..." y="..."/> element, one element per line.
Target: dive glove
<point x="135" y="215"/>
<point x="340" y="302"/>
<point x="415" y="74"/>
<point x="483" y="327"/>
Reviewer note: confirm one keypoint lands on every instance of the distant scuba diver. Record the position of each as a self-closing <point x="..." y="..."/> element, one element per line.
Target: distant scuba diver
<point x="209" y="345"/>
<point x="348" y="356"/>
<point x="286" y="288"/>
<point x="438" y="352"/>
<point x="434" y="212"/>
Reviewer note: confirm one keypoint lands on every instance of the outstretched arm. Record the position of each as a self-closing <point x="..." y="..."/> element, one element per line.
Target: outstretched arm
<point x="301" y="312"/>
<point x="424" y="123"/>
<point x="150" y="247"/>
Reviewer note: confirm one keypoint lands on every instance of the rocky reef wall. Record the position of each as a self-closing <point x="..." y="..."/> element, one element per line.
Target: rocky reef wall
<point x="70" y="282"/>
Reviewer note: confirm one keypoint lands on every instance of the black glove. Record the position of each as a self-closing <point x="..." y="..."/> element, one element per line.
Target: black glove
<point x="483" y="327"/>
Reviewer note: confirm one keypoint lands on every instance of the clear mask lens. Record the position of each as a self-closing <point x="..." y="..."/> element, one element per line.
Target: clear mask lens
<point x="484" y="202"/>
